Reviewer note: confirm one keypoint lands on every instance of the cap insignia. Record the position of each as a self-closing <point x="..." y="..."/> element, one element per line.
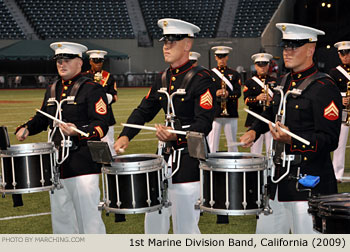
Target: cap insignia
<point x="283" y="27"/>
<point x="59" y="45"/>
<point x="310" y="39"/>
<point x="165" y="23"/>
<point x="343" y="43"/>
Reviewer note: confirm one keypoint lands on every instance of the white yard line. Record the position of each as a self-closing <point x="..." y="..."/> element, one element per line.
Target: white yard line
<point x="23" y="216"/>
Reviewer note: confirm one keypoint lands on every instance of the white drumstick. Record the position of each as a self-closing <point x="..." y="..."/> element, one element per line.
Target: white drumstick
<point x="136" y="126"/>
<point x="234" y="144"/>
<point x="58" y="120"/>
<point x="274" y="125"/>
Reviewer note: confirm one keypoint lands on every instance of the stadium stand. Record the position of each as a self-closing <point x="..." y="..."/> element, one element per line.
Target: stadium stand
<point x="8" y="26"/>
<point x="204" y="13"/>
<point x="103" y="19"/>
<point x="252" y="17"/>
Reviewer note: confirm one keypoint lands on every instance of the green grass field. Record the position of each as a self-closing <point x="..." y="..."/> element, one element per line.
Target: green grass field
<point x="17" y="106"/>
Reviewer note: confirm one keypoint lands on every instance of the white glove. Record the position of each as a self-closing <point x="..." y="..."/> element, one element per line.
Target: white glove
<point x="109" y="98"/>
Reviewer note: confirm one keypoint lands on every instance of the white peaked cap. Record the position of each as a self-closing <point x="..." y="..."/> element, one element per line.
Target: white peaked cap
<point x="298" y="32"/>
<point x="221" y="49"/>
<point x="93" y="54"/>
<point x="194" y="56"/>
<point x="261" y="57"/>
<point x="68" y="48"/>
<point x="342" y="45"/>
<point x="177" y="26"/>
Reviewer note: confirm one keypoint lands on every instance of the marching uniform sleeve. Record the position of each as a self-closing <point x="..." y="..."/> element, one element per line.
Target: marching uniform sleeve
<point x="97" y="110"/>
<point x="112" y="87"/>
<point x="145" y="112"/>
<point x="327" y="110"/>
<point x="204" y="102"/>
<point x="250" y="92"/>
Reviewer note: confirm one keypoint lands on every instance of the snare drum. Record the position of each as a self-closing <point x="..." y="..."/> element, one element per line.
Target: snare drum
<point x="232" y="183"/>
<point x="27" y="168"/>
<point x="132" y="184"/>
<point x="335" y="217"/>
<point x="316" y="201"/>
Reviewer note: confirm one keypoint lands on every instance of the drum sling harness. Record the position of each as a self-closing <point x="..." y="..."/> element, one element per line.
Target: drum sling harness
<point x="65" y="144"/>
<point x="280" y="156"/>
<point x="171" y="117"/>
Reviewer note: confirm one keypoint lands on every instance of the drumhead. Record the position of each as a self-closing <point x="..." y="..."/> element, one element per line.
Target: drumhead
<point x="234" y="162"/>
<point x="28" y="149"/>
<point x="132" y="163"/>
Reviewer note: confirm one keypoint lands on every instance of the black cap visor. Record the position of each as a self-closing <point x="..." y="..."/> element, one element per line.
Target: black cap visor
<point x="344" y="52"/>
<point x="65" y="56"/>
<point x="289" y="43"/>
<point x="261" y="63"/>
<point x="174" y="37"/>
<point x="221" y="55"/>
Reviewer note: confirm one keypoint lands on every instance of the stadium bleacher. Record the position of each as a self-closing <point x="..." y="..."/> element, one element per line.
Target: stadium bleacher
<point x="8" y="26"/>
<point x="252" y="17"/>
<point x="204" y="13"/>
<point x="103" y="19"/>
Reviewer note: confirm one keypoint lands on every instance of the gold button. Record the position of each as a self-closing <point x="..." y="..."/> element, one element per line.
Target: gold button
<point x="303" y="146"/>
<point x="69" y="82"/>
<point x="222" y="71"/>
<point x="173" y="78"/>
<point x="281" y="111"/>
<point x="294" y="146"/>
<point x="177" y="70"/>
<point x="182" y="99"/>
<point x="312" y="147"/>
<point x="65" y="87"/>
<point x="63" y="94"/>
<point x="296" y="106"/>
<point x="305" y="158"/>
<point x="172" y="87"/>
<point x="180" y="139"/>
<point x="293" y="84"/>
<point x="339" y="79"/>
<point x="160" y="98"/>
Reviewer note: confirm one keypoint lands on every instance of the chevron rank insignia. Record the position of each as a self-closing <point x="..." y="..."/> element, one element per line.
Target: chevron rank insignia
<point x="206" y="100"/>
<point x="100" y="107"/>
<point x="331" y="112"/>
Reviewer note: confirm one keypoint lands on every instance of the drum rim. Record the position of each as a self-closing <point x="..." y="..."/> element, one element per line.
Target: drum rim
<point x="28" y="190"/>
<point x="124" y="167"/>
<point x="215" y="163"/>
<point x="230" y="211"/>
<point x="130" y="210"/>
<point x="28" y="149"/>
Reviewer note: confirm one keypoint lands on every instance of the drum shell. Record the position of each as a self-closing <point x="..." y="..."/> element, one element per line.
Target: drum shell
<point x="127" y="189"/>
<point x="27" y="165"/>
<point x="241" y="174"/>
<point x="335" y="217"/>
<point x="315" y="202"/>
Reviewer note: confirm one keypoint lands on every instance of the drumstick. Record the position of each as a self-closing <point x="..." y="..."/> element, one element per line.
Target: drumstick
<point x="58" y="120"/>
<point x="274" y="125"/>
<point x="136" y="126"/>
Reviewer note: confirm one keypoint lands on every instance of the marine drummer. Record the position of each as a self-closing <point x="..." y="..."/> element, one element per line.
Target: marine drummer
<point x="313" y="115"/>
<point x="341" y="75"/>
<point x="74" y="208"/>
<point x="258" y="92"/>
<point x="194" y="112"/>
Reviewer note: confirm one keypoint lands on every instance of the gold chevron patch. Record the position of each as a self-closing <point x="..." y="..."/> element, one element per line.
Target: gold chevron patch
<point x="206" y="100"/>
<point x="331" y="112"/>
<point x="101" y="107"/>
